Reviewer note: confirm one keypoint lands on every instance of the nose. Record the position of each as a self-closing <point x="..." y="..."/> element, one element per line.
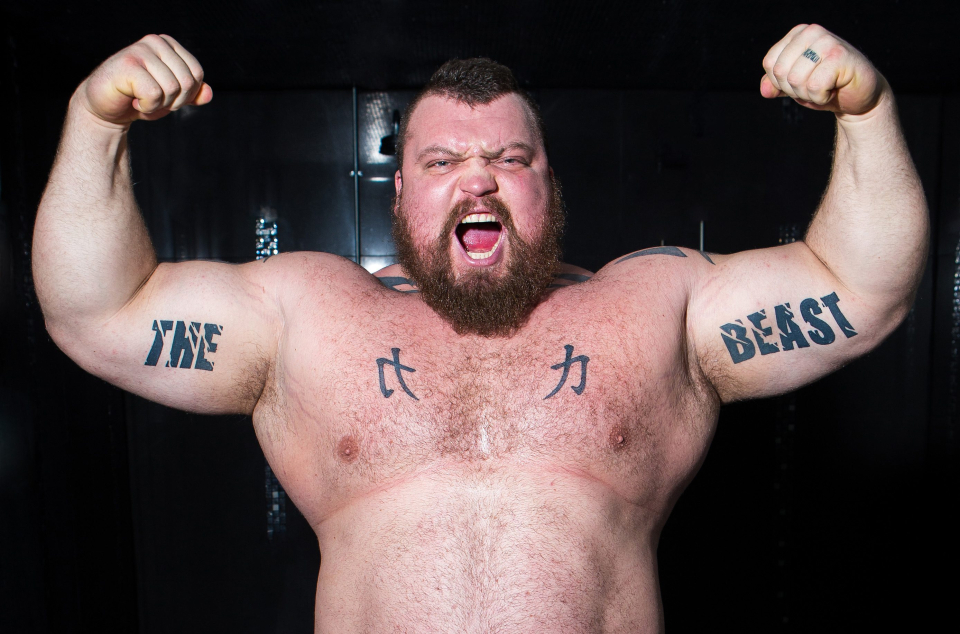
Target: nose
<point x="478" y="178"/>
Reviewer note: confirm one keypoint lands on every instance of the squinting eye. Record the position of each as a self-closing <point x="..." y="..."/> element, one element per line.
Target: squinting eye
<point x="441" y="163"/>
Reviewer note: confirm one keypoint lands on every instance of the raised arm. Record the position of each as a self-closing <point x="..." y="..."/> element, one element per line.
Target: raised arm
<point x="195" y="335"/>
<point x="771" y="320"/>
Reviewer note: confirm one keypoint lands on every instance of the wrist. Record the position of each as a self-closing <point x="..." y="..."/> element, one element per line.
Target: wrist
<point x="80" y="113"/>
<point x="885" y="106"/>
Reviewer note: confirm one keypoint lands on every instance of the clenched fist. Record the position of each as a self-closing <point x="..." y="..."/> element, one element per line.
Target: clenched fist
<point x="821" y="71"/>
<point x="146" y="81"/>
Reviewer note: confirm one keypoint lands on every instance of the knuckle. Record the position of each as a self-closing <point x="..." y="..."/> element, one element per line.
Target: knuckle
<point x="834" y="53"/>
<point x="151" y="38"/>
<point x="135" y="50"/>
<point x="779" y="71"/>
<point x="794" y="78"/>
<point x="129" y="59"/>
<point x="151" y="92"/>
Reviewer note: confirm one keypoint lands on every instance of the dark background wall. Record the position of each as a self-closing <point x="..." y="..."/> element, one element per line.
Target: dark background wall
<point x="831" y="509"/>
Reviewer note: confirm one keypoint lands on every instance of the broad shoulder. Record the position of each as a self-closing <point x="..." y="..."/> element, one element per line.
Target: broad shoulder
<point x="669" y="270"/>
<point x="325" y="278"/>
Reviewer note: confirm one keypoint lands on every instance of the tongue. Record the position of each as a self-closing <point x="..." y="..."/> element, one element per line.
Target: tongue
<point x="477" y="240"/>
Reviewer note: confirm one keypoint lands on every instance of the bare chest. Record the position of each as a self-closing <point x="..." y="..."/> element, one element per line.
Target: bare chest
<point x="389" y="396"/>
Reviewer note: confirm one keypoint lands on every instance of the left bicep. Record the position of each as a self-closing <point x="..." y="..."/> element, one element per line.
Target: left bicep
<point x="768" y="321"/>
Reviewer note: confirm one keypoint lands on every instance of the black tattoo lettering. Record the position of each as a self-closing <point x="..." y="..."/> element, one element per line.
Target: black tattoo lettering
<point x="735" y="338"/>
<point x="822" y="333"/>
<point x="741" y="348"/>
<point x="760" y="333"/>
<point x="187" y="345"/>
<point x="161" y="328"/>
<point x="831" y="301"/>
<point x="674" y="251"/>
<point x="790" y="332"/>
<point x="207" y="342"/>
<point x="398" y="367"/>
<point x="813" y="57"/>
<point x="565" y="365"/>
<point x="706" y="256"/>
<point x="181" y="351"/>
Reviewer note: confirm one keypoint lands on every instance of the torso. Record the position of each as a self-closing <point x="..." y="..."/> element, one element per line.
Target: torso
<point x="475" y="502"/>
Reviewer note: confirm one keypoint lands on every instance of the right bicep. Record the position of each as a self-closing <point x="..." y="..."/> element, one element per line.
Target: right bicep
<point x="198" y="336"/>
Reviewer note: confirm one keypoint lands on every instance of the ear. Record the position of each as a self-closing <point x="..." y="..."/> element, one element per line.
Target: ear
<point x="398" y="185"/>
<point x="551" y="173"/>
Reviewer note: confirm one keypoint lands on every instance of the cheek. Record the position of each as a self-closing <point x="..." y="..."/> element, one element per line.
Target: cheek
<point x="423" y="222"/>
<point x="528" y="203"/>
<point x="426" y="205"/>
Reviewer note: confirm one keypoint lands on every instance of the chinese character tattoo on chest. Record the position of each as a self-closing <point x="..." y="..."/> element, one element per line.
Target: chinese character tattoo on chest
<point x="564" y="366"/>
<point x="399" y="368"/>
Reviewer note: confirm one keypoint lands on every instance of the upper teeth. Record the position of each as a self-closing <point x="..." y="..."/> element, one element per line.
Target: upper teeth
<point x="478" y="218"/>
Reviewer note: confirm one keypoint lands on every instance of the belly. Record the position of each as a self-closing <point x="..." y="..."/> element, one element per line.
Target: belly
<point x="507" y="549"/>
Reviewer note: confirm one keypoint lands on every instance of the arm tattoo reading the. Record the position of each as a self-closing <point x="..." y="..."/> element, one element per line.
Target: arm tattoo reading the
<point x="741" y="347"/>
<point x="186" y="351"/>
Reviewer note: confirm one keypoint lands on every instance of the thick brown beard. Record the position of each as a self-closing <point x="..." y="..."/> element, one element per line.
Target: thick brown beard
<point x="481" y="303"/>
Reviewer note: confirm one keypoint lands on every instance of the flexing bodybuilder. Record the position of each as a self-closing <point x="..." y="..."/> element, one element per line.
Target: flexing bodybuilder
<point x="484" y="440"/>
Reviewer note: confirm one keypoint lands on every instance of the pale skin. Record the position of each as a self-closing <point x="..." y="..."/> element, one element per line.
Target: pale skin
<point x="471" y="500"/>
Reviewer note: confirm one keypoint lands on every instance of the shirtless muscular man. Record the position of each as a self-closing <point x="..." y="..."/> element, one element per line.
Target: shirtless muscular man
<point x="485" y="440"/>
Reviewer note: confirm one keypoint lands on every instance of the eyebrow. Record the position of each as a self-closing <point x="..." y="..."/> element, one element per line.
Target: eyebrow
<point x="445" y="151"/>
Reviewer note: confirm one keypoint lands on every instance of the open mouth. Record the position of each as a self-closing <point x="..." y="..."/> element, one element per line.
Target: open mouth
<point x="480" y="235"/>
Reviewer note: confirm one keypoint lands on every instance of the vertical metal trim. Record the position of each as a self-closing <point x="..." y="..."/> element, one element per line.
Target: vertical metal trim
<point x="267" y="244"/>
<point x="952" y="398"/>
<point x="356" y="175"/>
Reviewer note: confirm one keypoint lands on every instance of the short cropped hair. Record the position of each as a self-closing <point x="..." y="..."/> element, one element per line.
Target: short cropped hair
<point x="476" y="82"/>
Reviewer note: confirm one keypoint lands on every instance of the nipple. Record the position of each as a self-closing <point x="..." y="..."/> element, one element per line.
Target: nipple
<point x="348" y="450"/>
<point x="618" y="438"/>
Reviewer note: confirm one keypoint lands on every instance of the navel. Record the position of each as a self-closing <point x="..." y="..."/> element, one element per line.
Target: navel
<point x="348" y="450"/>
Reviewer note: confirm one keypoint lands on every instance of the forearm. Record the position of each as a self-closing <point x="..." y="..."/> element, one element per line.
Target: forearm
<point x="871" y="230"/>
<point x="91" y="249"/>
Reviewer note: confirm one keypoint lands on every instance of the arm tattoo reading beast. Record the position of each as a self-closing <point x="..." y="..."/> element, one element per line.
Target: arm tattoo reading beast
<point x="185" y="351"/>
<point x="741" y="348"/>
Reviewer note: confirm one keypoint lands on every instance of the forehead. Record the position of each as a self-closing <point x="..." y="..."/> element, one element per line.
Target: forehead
<point x="441" y="121"/>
